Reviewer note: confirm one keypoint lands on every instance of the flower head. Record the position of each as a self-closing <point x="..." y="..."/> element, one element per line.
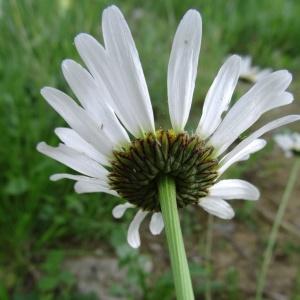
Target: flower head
<point x="112" y="140"/>
<point x="289" y="143"/>
<point x="252" y="73"/>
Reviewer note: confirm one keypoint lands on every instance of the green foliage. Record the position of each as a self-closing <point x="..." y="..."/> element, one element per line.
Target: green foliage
<point x="232" y="286"/>
<point x="36" y="215"/>
<point x="54" y="278"/>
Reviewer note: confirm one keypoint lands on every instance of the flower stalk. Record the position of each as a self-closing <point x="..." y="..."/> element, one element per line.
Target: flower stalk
<point x="208" y="249"/>
<point x="274" y="232"/>
<point x="179" y="264"/>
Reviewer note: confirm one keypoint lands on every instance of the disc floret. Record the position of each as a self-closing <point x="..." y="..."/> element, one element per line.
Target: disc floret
<point x="136" y="170"/>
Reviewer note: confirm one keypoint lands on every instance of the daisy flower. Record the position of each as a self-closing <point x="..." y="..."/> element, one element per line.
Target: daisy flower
<point x="112" y="141"/>
<point x="289" y="143"/>
<point x="252" y="73"/>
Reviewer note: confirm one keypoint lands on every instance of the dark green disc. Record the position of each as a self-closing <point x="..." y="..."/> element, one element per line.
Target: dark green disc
<point x="188" y="159"/>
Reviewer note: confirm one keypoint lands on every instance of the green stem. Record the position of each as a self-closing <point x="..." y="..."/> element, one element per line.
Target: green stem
<point x="208" y="248"/>
<point x="274" y="232"/>
<point x="180" y="269"/>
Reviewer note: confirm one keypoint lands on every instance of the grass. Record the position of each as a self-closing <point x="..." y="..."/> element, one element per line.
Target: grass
<point x="38" y="217"/>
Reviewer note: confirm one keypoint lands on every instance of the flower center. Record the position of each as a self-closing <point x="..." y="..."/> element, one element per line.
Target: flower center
<point x="136" y="170"/>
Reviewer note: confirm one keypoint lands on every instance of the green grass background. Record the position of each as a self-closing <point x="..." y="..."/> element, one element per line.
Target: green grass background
<point x="41" y="222"/>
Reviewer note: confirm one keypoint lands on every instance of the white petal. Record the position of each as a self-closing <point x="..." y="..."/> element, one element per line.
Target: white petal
<point x="284" y="141"/>
<point x="217" y="207"/>
<point x="268" y="127"/>
<point x="156" y="224"/>
<point x="85" y="88"/>
<point x="95" y="99"/>
<point x="102" y="182"/>
<point x="287" y="143"/>
<point x="73" y="140"/>
<point x="119" y="210"/>
<point x="59" y="176"/>
<point x="234" y="189"/>
<point x="98" y="62"/>
<point x="96" y="59"/>
<point x="245" y="157"/>
<point x="245" y="65"/>
<point x="262" y="74"/>
<point x="73" y="159"/>
<point x="78" y="119"/>
<point x="133" y="235"/>
<point x="129" y="77"/>
<point x="182" y="69"/>
<point x="92" y="187"/>
<point x="219" y="95"/>
<point x="265" y="95"/>
<point x="252" y="73"/>
<point x="244" y="154"/>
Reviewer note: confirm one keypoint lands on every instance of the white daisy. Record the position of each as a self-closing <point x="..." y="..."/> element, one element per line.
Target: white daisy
<point x="252" y="73"/>
<point x="112" y="141"/>
<point x="289" y="143"/>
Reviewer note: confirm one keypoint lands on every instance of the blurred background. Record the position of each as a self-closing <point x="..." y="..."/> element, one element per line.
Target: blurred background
<point x="55" y="244"/>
